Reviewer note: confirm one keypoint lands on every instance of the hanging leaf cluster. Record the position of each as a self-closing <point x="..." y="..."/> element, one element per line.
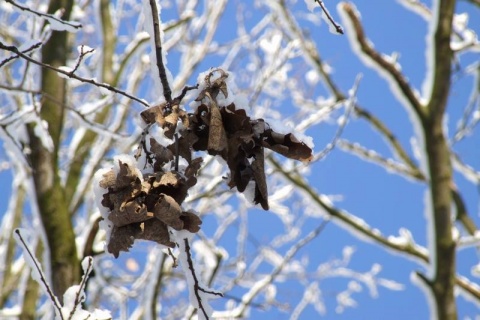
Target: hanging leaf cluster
<point x="228" y="132"/>
<point x="142" y="206"/>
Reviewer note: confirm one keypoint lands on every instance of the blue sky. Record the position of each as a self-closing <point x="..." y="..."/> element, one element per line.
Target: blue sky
<point x="385" y="201"/>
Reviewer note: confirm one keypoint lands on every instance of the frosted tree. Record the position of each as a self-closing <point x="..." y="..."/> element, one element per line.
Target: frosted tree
<point x="106" y="143"/>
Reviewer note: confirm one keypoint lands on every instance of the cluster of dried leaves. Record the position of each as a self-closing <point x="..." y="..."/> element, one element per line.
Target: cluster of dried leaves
<point x="141" y="207"/>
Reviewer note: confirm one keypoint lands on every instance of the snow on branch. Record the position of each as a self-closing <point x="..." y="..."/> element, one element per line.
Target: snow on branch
<point x="349" y="106"/>
<point x="68" y="73"/>
<point x="199" y="294"/>
<point x="333" y="26"/>
<point x="267" y="280"/>
<point x="354" y="224"/>
<point x="73" y="296"/>
<point x="387" y="163"/>
<point x="390" y="69"/>
<point x="25" y="51"/>
<point x="55" y="22"/>
<point x="153" y="28"/>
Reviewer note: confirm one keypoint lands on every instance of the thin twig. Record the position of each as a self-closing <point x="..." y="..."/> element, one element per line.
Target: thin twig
<point x="31" y="48"/>
<point x="52" y="296"/>
<point x="71" y="74"/>
<point x="81" y="288"/>
<point x="390" y="68"/>
<point x="196" y="286"/>
<point x="350" y="105"/>
<point x="81" y="56"/>
<point x="337" y="27"/>
<point x="167" y="92"/>
<point x="44" y="15"/>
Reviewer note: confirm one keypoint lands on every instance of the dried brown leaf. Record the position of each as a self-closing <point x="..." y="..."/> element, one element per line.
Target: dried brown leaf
<point x="162" y="154"/>
<point x="122" y="238"/>
<point x="217" y="137"/>
<point x="109" y="180"/>
<point x="191" y="221"/>
<point x="155" y="230"/>
<point x="168" y="211"/>
<point x="129" y="212"/>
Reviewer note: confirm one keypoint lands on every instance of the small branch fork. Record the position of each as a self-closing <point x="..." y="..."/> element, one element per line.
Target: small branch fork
<point x="49" y="290"/>
<point x="82" y="287"/>
<point x="197" y="286"/>
<point x="349" y="106"/>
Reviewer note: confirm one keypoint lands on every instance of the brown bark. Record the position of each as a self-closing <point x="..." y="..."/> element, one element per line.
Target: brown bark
<point x="440" y="167"/>
<point x="51" y="201"/>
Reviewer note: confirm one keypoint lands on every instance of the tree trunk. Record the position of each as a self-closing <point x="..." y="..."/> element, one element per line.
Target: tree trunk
<point x="440" y="167"/>
<point x="50" y="193"/>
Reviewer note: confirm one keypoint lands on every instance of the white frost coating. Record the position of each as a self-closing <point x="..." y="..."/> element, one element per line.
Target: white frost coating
<point x="416" y="7"/>
<point x="429" y="53"/>
<point x="465" y="37"/>
<point x="475" y="270"/>
<point x="147" y="13"/>
<point x="61" y="26"/>
<point x="105" y="223"/>
<point x="428" y="207"/>
<point x="75" y="295"/>
<point x="312" y="77"/>
<point x="66" y="69"/>
<point x="416" y="280"/>
<point x="405" y="238"/>
<point x="350" y="31"/>
<point x="465" y="294"/>
<point x="311" y="5"/>
<point x="469" y="241"/>
<point x="312" y="295"/>
<point x="35" y="266"/>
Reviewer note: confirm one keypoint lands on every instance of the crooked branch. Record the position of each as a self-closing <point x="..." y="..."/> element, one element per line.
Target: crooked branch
<point x="387" y="66"/>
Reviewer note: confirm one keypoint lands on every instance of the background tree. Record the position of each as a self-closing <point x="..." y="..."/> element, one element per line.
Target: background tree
<point x="67" y="109"/>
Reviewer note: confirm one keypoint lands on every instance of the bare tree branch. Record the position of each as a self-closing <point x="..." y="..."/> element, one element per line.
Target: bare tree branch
<point x="71" y="74"/>
<point x="365" y="45"/>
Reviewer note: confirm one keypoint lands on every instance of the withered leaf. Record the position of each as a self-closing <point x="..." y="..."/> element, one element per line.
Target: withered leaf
<point x="258" y="168"/>
<point x="213" y="88"/>
<point x="162" y="154"/>
<point x="129" y="212"/>
<point x="168" y="211"/>
<point x="287" y="145"/>
<point x="122" y="238"/>
<point x="126" y="176"/>
<point x="191" y="221"/>
<point x="193" y="167"/>
<point x="155" y="230"/>
<point x="109" y="180"/>
<point x="166" y="116"/>
<point x="217" y="137"/>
